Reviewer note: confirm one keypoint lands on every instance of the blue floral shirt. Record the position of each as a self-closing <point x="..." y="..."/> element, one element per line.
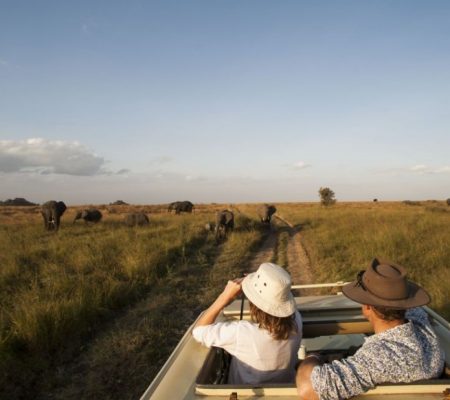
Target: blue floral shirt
<point x="406" y="353"/>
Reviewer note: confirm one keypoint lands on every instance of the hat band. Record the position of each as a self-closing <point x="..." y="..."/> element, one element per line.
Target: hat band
<point x="360" y="282"/>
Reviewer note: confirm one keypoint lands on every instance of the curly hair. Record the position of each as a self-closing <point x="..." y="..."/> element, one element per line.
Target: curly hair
<point x="280" y="328"/>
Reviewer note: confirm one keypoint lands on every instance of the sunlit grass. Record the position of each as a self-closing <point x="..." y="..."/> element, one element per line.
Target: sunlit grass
<point x="57" y="291"/>
<point x="344" y="238"/>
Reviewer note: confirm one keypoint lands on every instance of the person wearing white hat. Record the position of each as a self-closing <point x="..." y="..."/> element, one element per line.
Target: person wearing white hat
<point x="264" y="349"/>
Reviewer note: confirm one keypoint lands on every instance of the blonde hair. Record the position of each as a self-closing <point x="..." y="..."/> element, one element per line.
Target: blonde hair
<point x="280" y="328"/>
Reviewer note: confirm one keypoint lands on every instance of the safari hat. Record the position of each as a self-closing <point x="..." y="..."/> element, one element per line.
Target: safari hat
<point x="269" y="289"/>
<point x="384" y="284"/>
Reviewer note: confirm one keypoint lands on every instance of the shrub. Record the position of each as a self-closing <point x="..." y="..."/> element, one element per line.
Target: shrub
<point x="326" y="196"/>
<point x="411" y="203"/>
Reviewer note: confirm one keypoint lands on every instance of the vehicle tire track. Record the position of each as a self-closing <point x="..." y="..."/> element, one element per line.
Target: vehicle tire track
<point x="266" y="251"/>
<point x="299" y="264"/>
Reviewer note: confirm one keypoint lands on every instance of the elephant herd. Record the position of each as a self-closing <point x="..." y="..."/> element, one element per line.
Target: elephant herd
<point x="52" y="212"/>
<point x="225" y="220"/>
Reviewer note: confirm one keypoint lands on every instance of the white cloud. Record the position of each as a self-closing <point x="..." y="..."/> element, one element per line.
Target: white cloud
<point x="424" y="169"/>
<point x="444" y="169"/>
<point x="191" y="178"/>
<point x="419" y="168"/>
<point x="300" y="165"/>
<point x="49" y="157"/>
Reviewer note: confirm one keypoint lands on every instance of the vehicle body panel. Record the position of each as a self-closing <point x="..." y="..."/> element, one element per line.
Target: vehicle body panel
<point x="331" y="323"/>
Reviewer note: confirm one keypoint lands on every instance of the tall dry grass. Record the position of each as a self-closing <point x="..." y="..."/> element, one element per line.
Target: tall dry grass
<point x="344" y="238"/>
<point x="57" y="290"/>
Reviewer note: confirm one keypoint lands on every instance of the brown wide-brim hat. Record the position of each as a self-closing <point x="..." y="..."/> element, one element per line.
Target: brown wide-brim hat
<point x="384" y="284"/>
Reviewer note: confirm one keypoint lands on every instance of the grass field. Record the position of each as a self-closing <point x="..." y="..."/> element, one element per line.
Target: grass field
<point x="118" y="299"/>
<point x="342" y="239"/>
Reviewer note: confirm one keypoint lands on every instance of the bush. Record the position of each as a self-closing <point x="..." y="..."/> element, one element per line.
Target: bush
<point x="411" y="203"/>
<point x="326" y="196"/>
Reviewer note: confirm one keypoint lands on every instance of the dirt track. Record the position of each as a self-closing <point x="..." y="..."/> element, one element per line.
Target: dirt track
<point x="88" y="368"/>
<point x="299" y="265"/>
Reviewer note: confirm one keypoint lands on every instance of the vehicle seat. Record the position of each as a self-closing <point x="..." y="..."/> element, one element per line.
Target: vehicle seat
<point x="223" y="367"/>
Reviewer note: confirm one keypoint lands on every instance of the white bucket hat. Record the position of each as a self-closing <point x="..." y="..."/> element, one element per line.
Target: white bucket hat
<point x="269" y="289"/>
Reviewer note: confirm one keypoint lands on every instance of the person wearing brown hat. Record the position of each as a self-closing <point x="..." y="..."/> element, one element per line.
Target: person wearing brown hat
<point x="264" y="349"/>
<point x="403" y="349"/>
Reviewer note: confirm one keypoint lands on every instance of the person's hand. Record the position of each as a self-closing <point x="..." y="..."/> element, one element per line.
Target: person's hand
<point x="231" y="291"/>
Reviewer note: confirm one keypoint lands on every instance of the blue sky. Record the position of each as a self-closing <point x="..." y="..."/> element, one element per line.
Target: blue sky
<point x="224" y="101"/>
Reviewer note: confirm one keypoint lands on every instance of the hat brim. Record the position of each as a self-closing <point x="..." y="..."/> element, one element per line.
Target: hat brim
<point x="417" y="297"/>
<point x="281" y="310"/>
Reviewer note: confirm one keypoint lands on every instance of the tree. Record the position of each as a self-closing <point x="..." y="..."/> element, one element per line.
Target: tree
<point x="326" y="196"/>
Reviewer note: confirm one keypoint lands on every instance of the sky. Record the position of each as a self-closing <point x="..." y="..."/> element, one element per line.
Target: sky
<point x="224" y="101"/>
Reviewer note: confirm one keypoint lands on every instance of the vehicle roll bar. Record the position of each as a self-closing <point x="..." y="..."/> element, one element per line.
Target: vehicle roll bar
<point x="319" y="285"/>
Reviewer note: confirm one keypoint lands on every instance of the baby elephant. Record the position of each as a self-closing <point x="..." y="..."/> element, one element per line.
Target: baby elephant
<point x="224" y="223"/>
<point x="90" y="215"/>
<point x="136" y="219"/>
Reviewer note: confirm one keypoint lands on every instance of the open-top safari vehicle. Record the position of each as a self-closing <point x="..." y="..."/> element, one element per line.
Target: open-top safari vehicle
<point x="332" y="325"/>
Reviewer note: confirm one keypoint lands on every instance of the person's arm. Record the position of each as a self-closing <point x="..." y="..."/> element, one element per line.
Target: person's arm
<point x="345" y="378"/>
<point x="303" y="378"/>
<point x="230" y="292"/>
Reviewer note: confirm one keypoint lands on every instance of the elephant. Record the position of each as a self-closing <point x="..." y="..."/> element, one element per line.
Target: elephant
<point x="265" y="213"/>
<point x="224" y="223"/>
<point x="51" y="212"/>
<point x="448" y="202"/>
<point x="89" y="215"/>
<point x="173" y="206"/>
<point x="136" y="219"/>
<point x="180" y="206"/>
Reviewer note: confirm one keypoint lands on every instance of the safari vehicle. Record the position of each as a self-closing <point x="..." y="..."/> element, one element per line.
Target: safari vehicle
<point x="332" y="325"/>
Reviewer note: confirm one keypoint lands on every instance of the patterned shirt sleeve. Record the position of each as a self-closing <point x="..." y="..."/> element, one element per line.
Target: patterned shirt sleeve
<point x="343" y="379"/>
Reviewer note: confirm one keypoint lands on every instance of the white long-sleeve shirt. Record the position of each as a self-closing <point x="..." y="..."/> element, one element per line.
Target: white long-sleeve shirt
<point x="257" y="356"/>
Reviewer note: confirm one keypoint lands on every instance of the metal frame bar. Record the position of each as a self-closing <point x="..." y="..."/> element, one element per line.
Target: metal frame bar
<point x="319" y="285"/>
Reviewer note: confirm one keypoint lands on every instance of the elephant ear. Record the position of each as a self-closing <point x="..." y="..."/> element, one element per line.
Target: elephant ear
<point x="61" y="207"/>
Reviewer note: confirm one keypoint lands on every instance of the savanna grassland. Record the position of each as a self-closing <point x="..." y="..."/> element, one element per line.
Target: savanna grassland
<point x="342" y="239"/>
<point x="94" y="311"/>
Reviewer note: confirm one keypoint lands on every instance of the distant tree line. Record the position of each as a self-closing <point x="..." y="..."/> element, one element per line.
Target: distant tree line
<point x="18" y="201"/>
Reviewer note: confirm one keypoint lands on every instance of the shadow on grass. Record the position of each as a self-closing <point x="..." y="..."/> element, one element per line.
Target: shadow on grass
<point x="25" y="371"/>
